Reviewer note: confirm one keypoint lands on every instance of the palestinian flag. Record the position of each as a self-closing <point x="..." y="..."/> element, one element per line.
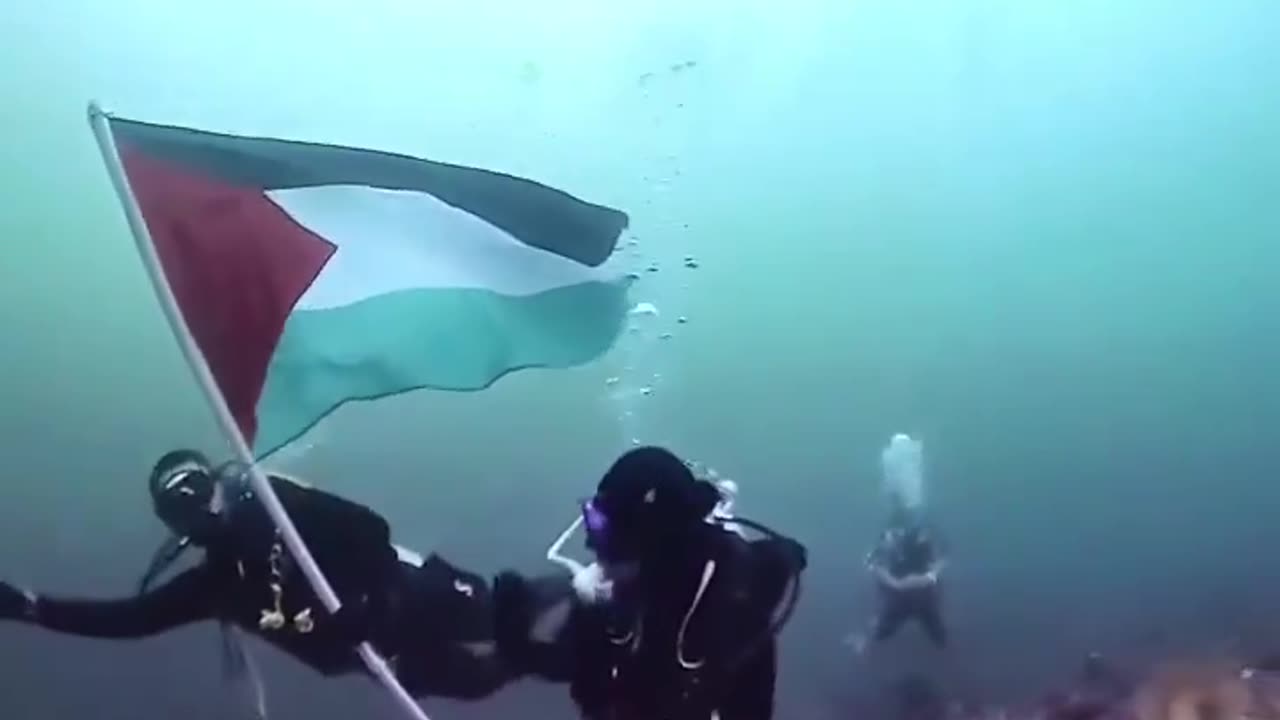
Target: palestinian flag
<point x="310" y="275"/>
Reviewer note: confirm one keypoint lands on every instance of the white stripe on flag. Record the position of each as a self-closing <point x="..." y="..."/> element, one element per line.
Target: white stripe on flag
<point x="392" y="240"/>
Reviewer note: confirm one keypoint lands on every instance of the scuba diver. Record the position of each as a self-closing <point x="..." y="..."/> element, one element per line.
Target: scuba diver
<point x="682" y="618"/>
<point x="424" y="616"/>
<point x="906" y="563"/>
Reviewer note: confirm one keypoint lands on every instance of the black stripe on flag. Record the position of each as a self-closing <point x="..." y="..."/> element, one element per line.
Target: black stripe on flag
<point x="531" y="212"/>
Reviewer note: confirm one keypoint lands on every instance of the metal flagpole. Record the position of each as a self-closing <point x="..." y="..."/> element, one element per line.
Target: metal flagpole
<point x="99" y="120"/>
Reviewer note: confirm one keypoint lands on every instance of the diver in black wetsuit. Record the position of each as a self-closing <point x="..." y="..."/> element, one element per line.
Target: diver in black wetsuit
<point x="687" y="628"/>
<point x="423" y="617"/>
<point x="906" y="563"/>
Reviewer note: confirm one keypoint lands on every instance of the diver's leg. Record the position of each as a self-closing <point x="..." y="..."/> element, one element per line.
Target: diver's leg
<point x="443" y="668"/>
<point x="548" y="591"/>
<point x="929" y="614"/>
<point x="460" y="672"/>
<point x="445" y="600"/>
<point x="520" y="607"/>
<point x="894" y="611"/>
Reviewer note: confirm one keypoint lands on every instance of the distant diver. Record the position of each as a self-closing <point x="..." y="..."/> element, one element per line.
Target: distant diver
<point x="906" y="563"/>
<point x="430" y="619"/>
<point x="681" y="617"/>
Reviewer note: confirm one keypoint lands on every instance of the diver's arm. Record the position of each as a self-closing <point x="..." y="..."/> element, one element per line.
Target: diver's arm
<point x="187" y="598"/>
<point x="916" y="581"/>
<point x="886" y="578"/>
<point x="878" y="567"/>
<point x="926" y="578"/>
<point x="921" y="579"/>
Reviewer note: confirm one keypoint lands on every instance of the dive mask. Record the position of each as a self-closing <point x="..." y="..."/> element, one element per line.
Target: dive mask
<point x="596" y="524"/>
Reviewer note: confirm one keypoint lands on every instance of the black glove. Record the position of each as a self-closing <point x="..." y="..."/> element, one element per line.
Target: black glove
<point x="14" y="603"/>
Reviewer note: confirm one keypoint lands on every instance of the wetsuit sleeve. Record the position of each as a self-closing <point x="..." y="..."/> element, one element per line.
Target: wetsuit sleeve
<point x="185" y="599"/>
<point x="447" y="603"/>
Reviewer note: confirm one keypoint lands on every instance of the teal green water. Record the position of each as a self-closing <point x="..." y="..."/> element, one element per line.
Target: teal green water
<point x="1044" y="238"/>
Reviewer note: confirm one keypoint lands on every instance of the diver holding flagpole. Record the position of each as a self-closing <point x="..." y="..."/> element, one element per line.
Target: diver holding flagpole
<point x="431" y="619"/>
